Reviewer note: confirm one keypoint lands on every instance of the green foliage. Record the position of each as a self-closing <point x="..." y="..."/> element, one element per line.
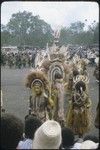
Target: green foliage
<point x="76" y="34"/>
<point x="26" y="29"/>
<point x="77" y="27"/>
<point x="96" y="34"/>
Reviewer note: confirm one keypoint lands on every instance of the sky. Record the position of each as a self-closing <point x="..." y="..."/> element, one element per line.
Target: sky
<point x="57" y="14"/>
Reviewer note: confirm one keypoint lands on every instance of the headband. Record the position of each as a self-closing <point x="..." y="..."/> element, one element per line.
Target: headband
<point x="38" y="81"/>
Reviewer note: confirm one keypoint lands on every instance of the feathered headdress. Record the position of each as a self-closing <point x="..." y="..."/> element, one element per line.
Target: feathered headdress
<point x="83" y="78"/>
<point x="56" y="67"/>
<point x="36" y="75"/>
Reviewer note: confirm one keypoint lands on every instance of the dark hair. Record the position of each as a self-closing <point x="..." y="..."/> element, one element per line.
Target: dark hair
<point x="11" y="131"/>
<point x="67" y="137"/>
<point x="58" y="75"/>
<point x="79" y="85"/>
<point x="31" y="125"/>
<point x="91" y="137"/>
<point x="75" y="72"/>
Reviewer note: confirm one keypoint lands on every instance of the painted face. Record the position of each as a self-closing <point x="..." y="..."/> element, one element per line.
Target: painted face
<point x="37" y="89"/>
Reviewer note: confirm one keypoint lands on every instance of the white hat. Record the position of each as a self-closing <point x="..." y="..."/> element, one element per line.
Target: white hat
<point x="89" y="145"/>
<point x="48" y="136"/>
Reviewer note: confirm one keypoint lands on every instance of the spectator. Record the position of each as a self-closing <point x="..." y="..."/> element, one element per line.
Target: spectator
<point x="31" y="125"/>
<point x="11" y="131"/>
<point x="98" y="147"/>
<point x="88" y="144"/>
<point x="67" y="138"/>
<point x="76" y="145"/>
<point x="48" y="136"/>
<point x="91" y="137"/>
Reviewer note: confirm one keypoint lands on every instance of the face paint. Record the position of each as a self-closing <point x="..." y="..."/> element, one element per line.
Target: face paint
<point x="37" y="89"/>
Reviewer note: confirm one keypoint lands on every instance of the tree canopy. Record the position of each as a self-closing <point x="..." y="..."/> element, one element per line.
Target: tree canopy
<point x="76" y="34"/>
<point x="26" y="29"/>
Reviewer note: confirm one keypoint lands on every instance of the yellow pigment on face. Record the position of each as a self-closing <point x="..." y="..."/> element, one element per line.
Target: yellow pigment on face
<point x="36" y="89"/>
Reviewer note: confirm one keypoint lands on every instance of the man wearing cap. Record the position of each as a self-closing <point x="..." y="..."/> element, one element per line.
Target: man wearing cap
<point x="48" y="136"/>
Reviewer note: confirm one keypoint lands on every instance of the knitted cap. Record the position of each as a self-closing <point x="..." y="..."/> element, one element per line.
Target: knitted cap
<point x="48" y="136"/>
<point x="88" y="145"/>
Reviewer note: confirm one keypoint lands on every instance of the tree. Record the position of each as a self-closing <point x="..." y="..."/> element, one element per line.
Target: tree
<point x="76" y="34"/>
<point x="5" y="35"/>
<point x="96" y="34"/>
<point x="66" y="36"/>
<point x="29" y="30"/>
<point x="77" y="27"/>
<point x="19" y="26"/>
<point x="26" y="29"/>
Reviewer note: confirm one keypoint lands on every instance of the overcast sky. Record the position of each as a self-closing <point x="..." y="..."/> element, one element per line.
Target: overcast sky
<point x="57" y="14"/>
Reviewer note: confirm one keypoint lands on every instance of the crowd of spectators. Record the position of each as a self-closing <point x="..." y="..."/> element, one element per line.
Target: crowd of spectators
<point x="18" y="60"/>
<point x="24" y="59"/>
<point x="89" y="53"/>
<point x="33" y="134"/>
